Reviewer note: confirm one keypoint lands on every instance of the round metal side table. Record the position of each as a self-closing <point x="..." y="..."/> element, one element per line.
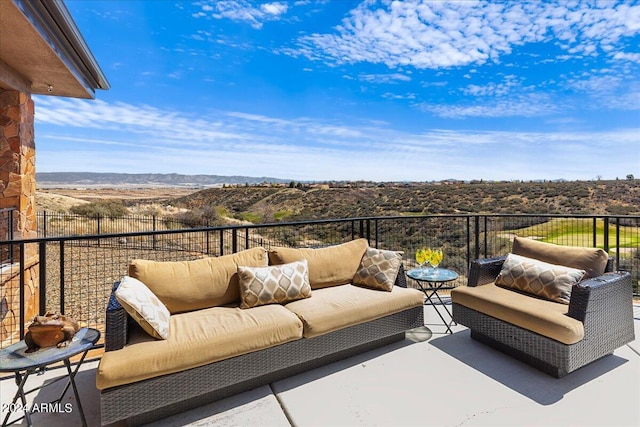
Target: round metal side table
<point x="432" y="280"/>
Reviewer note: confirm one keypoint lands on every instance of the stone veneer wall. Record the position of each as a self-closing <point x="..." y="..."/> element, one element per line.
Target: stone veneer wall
<point x="18" y="191"/>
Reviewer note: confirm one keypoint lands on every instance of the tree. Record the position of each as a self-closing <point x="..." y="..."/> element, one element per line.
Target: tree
<point x="630" y="177"/>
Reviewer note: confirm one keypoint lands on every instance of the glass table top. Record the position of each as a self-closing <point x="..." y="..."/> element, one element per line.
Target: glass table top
<point x="15" y="357"/>
<point x="432" y="274"/>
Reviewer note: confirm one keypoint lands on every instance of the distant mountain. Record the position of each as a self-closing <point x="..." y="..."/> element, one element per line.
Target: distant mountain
<point x="95" y="179"/>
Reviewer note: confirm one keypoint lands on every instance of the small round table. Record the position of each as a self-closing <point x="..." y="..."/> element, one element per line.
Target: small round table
<point x="15" y="359"/>
<point x="432" y="280"/>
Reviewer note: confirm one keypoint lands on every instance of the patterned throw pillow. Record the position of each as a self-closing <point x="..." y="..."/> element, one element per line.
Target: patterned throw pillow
<point x="378" y="269"/>
<point x="144" y="307"/>
<point x="274" y="285"/>
<point x="549" y="281"/>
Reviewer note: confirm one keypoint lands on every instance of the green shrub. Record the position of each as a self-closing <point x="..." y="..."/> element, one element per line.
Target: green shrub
<point x="101" y="209"/>
<point x="202" y="217"/>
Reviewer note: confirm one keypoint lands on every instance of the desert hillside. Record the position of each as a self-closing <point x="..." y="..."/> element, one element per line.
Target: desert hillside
<point x="311" y="202"/>
<point x="275" y="202"/>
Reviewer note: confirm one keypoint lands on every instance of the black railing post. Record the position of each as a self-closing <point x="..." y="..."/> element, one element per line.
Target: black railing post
<point x="368" y="230"/>
<point x="62" y="276"/>
<point x="375" y="222"/>
<point x="595" y="232"/>
<point x="477" y="235"/>
<point x="234" y="240"/>
<point x="468" y="242"/>
<point x="10" y="225"/>
<point x="361" y="228"/>
<point x="22" y="284"/>
<point x="221" y="242"/>
<point x="617" y="243"/>
<point x="246" y="238"/>
<point x="44" y="223"/>
<point x="99" y="216"/>
<point x="42" y="277"/>
<point x="353" y="230"/>
<point x="486" y="232"/>
<point x="606" y="234"/>
<point x="207" y="237"/>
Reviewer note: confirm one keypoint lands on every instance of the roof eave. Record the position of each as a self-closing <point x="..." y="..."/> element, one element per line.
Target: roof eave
<point x="53" y="21"/>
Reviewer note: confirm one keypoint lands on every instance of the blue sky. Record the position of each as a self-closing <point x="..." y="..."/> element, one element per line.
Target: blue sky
<point x="345" y="90"/>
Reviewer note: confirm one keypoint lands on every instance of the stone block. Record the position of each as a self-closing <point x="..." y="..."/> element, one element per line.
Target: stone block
<point x="10" y="130"/>
<point x="9" y="98"/>
<point x="10" y="301"/>
<point x="9" y="201"/>
<point x="15" y="113"/>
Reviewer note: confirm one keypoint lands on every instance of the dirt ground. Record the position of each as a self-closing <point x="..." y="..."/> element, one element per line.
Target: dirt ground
<point x="90" y="194"/>
<point x="61" y="199"/>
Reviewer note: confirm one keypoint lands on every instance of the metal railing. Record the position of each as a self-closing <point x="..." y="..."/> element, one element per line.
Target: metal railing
<point x="7" y="217"/>
<point x="75" y="273"/>
<point x="53" y="224"/>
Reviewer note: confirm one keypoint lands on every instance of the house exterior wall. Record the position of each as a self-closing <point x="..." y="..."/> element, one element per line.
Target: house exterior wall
<point x="18" y="191"/>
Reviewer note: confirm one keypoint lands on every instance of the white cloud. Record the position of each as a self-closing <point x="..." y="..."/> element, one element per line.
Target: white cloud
<point x="275" y="8"/>
<point x="632" y="57"/>
<point x="522" y="105"/>
<point x="389" y="95"/>
<point x="242" y="11"/>
<point x="444" y="34"/>
<point x="77" y="135"/>
<point x="384" y="78"/>
<point x="493" y="89"/>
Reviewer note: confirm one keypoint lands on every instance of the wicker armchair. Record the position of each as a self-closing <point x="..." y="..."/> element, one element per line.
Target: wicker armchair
<point x="603" y="304"/>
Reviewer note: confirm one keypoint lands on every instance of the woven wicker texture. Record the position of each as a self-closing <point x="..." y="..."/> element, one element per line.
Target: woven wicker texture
<point x="160" y="397"/>
<point x="604" y="304"/>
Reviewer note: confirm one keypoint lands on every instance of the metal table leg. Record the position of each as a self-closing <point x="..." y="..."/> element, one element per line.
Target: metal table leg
<point x="72" y="382"/>
<point x="20" y="382"/>
<point x="20" y="393"/>
<point x="434" y="291"/>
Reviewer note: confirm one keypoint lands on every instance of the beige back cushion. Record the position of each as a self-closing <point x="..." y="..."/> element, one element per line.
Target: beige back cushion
<point x="330" y="266"/>
<point x="193" y="285"/>
<point x="591" y="260"/>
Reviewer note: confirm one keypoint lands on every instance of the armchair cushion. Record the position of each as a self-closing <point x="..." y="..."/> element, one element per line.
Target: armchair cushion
<point x="549" y="281"/>
<point x="592" y="260"/>
<point x="274" y="284"/>
<point x="541" y="316"/>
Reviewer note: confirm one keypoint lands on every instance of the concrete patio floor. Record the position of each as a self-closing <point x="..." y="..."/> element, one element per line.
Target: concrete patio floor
<point x="429" y="379"/>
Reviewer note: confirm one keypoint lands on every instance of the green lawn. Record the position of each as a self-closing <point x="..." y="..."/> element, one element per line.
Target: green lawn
<point x="579" y="232"/>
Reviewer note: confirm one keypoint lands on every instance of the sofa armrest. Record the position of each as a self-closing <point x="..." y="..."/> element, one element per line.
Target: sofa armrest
<point x="117" y="323"/>
<point x="401" y="278"/>
<point x="604" y="304"/>
<point x="484" y="271"/>
<point x="609" y="266"/>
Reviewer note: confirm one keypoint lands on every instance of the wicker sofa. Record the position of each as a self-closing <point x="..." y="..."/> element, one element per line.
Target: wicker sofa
<point x="551" y="336"/>
<point x="218" y="347"/>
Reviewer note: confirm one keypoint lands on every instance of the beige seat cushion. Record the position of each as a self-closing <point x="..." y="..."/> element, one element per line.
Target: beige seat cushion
<point x="198" y="338"/>
<point x="592" y="260"/>
<point x="334" y="308"/>
<point x="544" y="317"/>
<point x="330" y="266"/>
<point x="193" y="285"/>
